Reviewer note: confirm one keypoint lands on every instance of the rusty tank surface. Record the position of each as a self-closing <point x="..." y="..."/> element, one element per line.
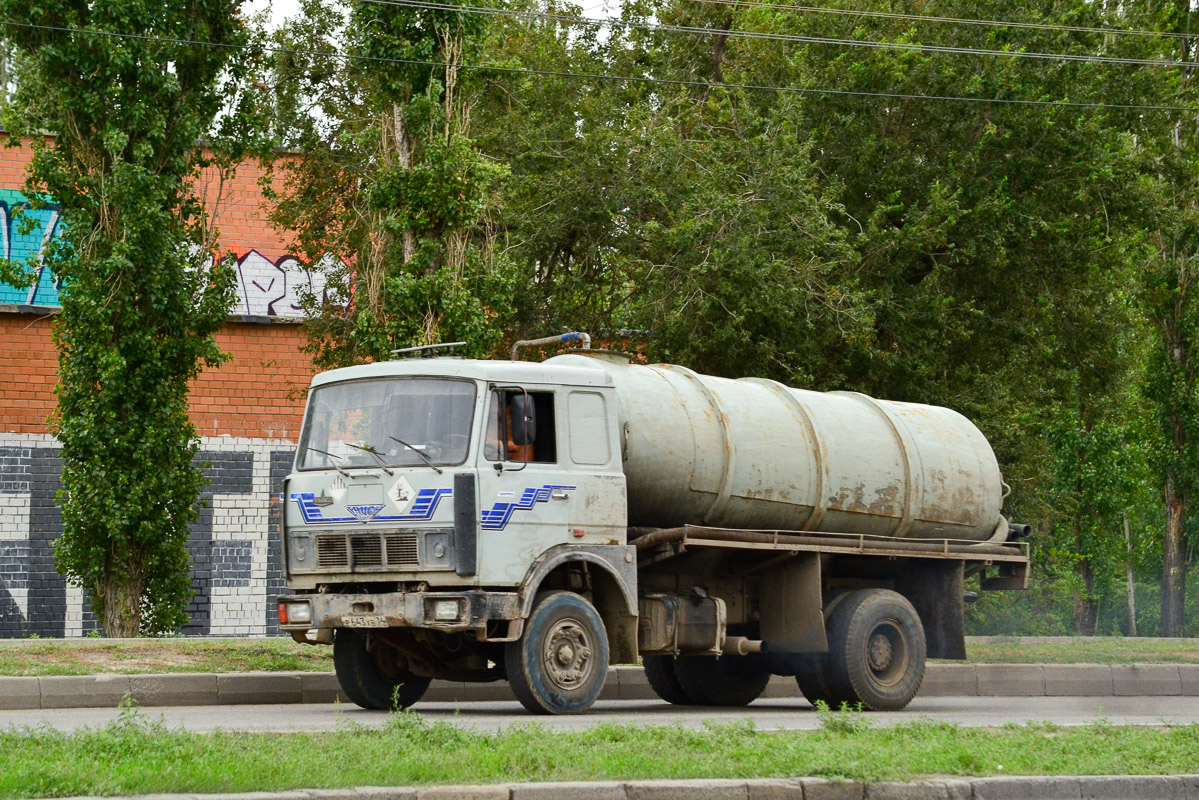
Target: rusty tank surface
<point x="753" y="453"/>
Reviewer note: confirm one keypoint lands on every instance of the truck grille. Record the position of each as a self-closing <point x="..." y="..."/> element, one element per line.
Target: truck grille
<point x="403" y="550"/>
<point x="367" y="551"/>
<point x="359" y="550"/>
<point x="331" y="552"/>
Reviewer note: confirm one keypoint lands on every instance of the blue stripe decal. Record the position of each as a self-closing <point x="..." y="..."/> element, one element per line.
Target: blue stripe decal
<point x="497" y="517"/>
<point x="423" y="508"/>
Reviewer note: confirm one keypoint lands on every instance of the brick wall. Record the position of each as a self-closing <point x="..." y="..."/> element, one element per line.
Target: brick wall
<point x="247" y="413"/>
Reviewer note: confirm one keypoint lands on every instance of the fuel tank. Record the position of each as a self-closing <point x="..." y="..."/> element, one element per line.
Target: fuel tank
<point x="752" y="453"/>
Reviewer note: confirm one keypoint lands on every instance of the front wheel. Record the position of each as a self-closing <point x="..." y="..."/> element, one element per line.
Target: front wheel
<point x="371" y="676"/>
<point x="559" y="664"/>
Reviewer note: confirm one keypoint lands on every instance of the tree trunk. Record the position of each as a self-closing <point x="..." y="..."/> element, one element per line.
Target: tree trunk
<point x="1086" y="610"/>
<point x="404" y="156"/>
<point x="122" y="606"/>
<point x="1129" y="579"/>
<point x="1174" y="567"/>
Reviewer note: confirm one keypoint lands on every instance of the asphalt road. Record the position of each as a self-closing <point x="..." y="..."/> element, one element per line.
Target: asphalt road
<point x="769" y="714"/>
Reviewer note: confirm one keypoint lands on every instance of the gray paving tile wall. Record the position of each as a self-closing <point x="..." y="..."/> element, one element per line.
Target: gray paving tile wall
<point x="35" y="599"/>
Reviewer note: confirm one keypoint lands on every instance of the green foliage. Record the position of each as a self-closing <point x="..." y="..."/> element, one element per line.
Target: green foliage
<point x="139" y="306"/>
<point x="391" y="197"/>
<point x="1022" y="264"/>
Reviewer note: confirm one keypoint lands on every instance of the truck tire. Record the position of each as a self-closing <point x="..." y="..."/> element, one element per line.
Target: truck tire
<point x="724" y="681"/>
<point x="813" y="670"/>
<point x="369" y="678"/>
<point x="559" y="664"/>
<point x="876" y="650"/>
<point x="659" y="671"/>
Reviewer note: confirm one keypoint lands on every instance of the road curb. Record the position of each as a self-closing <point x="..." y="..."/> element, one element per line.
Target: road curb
<point x="624" y="683"/>
<point x="1074" y="787"/>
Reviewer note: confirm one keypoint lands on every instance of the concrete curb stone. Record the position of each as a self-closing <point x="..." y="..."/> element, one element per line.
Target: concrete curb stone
<point x="1077" y="680"/>
<point x="1027" y="788"/>
<point x="320" y="687"/>
<point x="686" y="790"/>
<point x="775" y="789"/>
<point x="1010" y="680"/>
<point x="1069" y="787"/>
<point x="957" y="680"/>
<point x="821" y="789"/>
<point x="84" y="691"/>
<point x="174" y="689"/>
<point x="463" y="793"/>
<point x="1146" y="680"/>
<point x="600" y="790"/>
<point x="1142" y="787"/>
<point x="259" y="688"/>
<point x="20" y="693"/>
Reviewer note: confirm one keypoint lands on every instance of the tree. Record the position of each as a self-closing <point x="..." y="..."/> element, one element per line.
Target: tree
<point x="391" y="195"/>
<point x="127" y="103"/>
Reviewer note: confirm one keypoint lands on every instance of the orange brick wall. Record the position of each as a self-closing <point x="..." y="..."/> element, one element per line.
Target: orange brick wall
<point x="28" y="371"/>
<point x="259" y="393"/>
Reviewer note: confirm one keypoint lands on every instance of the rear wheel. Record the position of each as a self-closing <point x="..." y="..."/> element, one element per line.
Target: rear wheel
<point x="813" y="671"/>
<point x="876" y="650"/>
<point x="724" y="681"/>
<point x="371" y="676"/>
<point x="659" y="671"/>
<point x="559" y="664"/>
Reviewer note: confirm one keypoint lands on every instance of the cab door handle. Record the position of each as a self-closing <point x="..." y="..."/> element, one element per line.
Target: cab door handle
<point x="559" y="494"/>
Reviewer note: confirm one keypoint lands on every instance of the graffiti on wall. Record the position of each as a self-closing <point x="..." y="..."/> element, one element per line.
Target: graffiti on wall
<point x="267" y="287"/>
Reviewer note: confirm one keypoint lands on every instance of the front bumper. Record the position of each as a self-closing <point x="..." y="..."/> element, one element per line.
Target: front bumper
<point x="475" y="609"/>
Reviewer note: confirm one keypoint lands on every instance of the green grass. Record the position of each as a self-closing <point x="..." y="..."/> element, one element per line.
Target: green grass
<point x="1084" y="650"/>
<point x="133" y="756"/>
<point x="90" y="656"/>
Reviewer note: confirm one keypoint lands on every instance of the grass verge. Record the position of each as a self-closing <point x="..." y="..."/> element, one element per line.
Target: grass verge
<point x="134" y="756"/>
<point x="91" y="656"/>
<point x="1084" y="650"/>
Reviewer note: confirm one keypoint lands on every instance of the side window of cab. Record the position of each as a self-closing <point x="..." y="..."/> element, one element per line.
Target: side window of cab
<point x="520" y="427"/>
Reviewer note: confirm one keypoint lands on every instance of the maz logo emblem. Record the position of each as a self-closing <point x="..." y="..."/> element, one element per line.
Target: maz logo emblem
<point x="364" y="513"/>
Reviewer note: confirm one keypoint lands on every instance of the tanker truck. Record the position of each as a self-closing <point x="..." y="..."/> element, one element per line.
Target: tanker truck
<point x="485" y="520"/>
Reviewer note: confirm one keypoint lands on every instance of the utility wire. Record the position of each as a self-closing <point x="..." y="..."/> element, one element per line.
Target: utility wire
<point x="1041" y="26"/>
<point x="600" y="76"/>
<point x="433" y="5"/>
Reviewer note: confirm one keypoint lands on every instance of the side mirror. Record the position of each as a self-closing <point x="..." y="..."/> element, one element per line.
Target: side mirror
<point x="524" y="419"/>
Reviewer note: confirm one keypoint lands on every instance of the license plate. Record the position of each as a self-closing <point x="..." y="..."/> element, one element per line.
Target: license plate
<point x="365" y="621"/>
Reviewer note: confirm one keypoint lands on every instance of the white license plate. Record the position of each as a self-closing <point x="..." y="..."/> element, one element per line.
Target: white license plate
<point x="365" y="621"/>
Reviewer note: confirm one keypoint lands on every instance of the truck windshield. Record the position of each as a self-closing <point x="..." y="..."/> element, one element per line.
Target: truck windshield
<point x="362" y="423"/>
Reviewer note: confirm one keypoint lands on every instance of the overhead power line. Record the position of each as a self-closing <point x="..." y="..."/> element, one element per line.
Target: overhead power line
<point x="600" y="76"/>
<point x="996" y="23"/>
<point x="566" y="19"/>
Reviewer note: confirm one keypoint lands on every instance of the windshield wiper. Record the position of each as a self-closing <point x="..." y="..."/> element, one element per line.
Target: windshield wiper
<point x="424" y="457"/>
<point x="330" y="455"/>
<point x="370" y="449"/>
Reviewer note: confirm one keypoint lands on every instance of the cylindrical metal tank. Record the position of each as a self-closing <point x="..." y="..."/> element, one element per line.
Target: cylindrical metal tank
<point x="753" y="453"/>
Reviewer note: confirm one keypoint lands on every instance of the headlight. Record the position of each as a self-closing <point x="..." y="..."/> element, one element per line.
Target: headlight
<point x="295" y="613"/>
<point x="445" y="610"/>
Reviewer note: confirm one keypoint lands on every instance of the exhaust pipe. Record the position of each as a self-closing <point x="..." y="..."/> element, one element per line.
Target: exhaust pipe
<point x="742" y="646"/>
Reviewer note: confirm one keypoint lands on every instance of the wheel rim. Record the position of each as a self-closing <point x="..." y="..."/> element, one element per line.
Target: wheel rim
<point x="567" y="655"/>
<point x="887" y="652"/>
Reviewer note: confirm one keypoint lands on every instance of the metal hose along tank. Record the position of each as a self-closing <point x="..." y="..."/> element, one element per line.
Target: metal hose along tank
<point x="753" y="453"/>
